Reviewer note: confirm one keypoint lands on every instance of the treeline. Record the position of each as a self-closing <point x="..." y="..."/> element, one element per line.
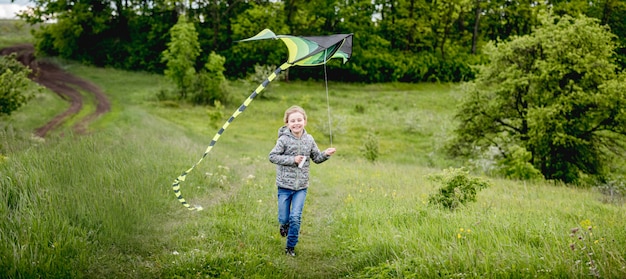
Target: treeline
<point x="394" y="40"/>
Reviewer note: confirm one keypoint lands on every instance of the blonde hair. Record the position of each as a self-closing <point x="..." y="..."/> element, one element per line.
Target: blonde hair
<point x="292" y="110"/>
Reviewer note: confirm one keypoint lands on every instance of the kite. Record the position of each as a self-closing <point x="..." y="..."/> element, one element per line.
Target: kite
<point x="303" y="51"/>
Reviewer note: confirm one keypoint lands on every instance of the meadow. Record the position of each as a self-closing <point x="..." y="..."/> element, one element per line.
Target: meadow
<point x="101" y="205"/>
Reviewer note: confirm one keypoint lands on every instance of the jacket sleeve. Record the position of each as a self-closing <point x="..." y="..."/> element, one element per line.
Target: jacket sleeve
<point x="277" y="155"/>
<point x="317" y="156"/>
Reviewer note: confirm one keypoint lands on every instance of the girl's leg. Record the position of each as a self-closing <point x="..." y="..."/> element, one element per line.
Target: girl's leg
<point x="295" y="216"/>
<point x="284" y="204"/>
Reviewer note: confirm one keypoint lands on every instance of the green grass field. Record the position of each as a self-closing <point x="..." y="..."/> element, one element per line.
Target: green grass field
<point x="14" y="32"/>
<point x="102" y="206"/>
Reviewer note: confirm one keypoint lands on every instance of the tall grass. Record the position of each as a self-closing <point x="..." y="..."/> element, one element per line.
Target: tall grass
<point x="15" y="32"/>
<point x="101" y="206"/>
<point x="70" y="200"/>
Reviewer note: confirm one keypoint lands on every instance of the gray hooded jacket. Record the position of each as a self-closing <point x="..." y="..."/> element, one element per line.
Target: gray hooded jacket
<point x="288" y="174"/>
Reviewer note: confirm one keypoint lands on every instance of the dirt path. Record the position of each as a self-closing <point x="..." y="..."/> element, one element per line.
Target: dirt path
<point x="65" y="85"/>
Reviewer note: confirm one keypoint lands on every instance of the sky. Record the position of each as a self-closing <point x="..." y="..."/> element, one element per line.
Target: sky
<point x="8" y="8"/>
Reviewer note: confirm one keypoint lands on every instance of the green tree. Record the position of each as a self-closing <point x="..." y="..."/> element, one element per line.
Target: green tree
<point x="129" y="34"/>
<point x="180" y="56"/>
<point x="505" y="18"/>
<point x="444" y="15"/>
<point x="209" y="85"/>
<point x="242" y="57"/>
<point x="406" y="24"/>
<point x="609" y="12"/>
<point x="15" y="87"/>
<point x="554" y="93"/>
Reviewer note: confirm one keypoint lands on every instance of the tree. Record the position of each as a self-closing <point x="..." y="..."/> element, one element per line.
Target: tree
<point x="406" y="24"/>
<point x="505" y="18"/>
<point x="209" y="85"/>
<point x="14" y="84"/>
<point x="181" y="54"/>
<point x="554" y="93"/>
<point x="445" y="13"/>
<point x="243" y="57"/>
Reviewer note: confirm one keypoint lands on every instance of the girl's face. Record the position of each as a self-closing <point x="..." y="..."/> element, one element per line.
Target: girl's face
<point x="296" y="123"/>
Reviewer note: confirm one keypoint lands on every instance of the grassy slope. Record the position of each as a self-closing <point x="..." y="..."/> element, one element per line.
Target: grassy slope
<point x="102" y="205"/>
<point x="14" y="32"/>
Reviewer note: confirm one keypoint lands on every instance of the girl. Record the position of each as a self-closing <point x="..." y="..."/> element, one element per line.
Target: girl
<point x="291" y="155"/>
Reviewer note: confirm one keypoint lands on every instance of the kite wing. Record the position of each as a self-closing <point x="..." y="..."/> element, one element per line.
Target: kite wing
<point x="311" y="51"/>
<point x="303" y="51"/>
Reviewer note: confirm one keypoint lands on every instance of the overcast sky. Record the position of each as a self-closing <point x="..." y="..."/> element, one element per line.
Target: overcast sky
<point x="8" y="8"/>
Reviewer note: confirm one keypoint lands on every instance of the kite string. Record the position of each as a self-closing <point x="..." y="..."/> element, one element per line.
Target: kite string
<point x="330" y="128"/>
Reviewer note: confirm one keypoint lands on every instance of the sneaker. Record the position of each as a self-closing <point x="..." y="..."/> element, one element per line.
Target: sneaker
<point x="284" y="229"/>
<point x="290" y="252"/>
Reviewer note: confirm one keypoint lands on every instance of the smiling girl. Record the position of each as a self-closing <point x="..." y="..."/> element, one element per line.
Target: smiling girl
<point x="290" y="154"/>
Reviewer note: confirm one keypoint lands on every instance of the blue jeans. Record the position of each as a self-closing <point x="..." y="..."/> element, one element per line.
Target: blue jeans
<point x="290" y="205"/>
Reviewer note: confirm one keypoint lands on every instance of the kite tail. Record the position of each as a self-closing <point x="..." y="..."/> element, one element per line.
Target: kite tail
<point x="181" y="178"/>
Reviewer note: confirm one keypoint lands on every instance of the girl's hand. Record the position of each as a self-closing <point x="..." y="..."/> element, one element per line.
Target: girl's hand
<point x="299" y="159"/>
<point x="330" y="151"/>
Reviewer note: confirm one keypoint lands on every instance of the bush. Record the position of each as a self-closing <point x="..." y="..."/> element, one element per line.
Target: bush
<point x="206" y="90"/>
<point x="209" y="86"/>
<point x="517" y="165"/>
<point x="261" y="73"/>
<point x="14" y="84"/>
<point x="370" y="147"/>
<point x="457" y="188"/>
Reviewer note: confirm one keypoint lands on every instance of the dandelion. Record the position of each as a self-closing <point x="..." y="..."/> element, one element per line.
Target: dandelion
<point x="458" y="235"/>
<point x="585" y="223"/>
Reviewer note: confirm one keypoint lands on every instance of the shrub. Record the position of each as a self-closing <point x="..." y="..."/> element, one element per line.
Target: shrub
<point x="261" y="73"/>
<point x="216" y="114"/>
<point x="370" y="147"/>
<point x="517" y="165"/>
<point x="457" y="188"/>
<point x="210" y="85"/>
<point x="14" y="84"/>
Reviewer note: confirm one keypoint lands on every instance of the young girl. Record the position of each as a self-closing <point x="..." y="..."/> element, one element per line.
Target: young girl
<point x="291" y="155"/>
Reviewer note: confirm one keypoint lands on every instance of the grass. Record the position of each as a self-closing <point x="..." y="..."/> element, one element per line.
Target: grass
<point x="14" y="32"/>
<point x="101" y="205"/>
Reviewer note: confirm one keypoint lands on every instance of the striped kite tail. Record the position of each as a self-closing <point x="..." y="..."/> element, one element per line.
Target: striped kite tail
<point x="181" y="178"/>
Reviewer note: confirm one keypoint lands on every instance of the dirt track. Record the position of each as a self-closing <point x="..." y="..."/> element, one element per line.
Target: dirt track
<point x="65" y="85"/>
